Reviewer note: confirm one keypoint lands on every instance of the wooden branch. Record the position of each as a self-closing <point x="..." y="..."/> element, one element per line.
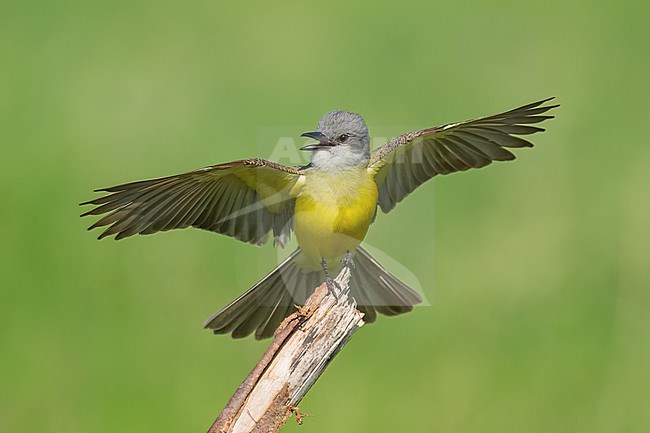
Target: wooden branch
<point x="303" y="346"/>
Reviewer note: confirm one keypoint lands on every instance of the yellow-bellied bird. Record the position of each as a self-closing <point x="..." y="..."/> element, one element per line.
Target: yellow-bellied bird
<point x="328" y="204"/>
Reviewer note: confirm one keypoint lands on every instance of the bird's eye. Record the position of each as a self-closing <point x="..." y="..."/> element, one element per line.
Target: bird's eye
<point x="343" y="138"/>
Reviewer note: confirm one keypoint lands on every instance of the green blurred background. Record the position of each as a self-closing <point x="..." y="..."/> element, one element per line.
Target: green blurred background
<point x="537" y="271"/>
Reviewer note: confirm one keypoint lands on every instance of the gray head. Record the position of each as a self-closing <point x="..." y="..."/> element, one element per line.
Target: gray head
<point x="343" y="141"/>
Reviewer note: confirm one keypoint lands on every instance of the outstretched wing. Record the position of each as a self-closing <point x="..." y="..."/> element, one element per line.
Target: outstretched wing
<point x="244" y="199"/>
<point x="407" y="161"/>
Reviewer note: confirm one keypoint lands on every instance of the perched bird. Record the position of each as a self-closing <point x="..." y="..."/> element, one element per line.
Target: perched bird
<point x="328" y="204"/>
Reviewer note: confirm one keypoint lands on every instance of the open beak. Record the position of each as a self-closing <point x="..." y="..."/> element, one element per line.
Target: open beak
<point x="322" y="139"/>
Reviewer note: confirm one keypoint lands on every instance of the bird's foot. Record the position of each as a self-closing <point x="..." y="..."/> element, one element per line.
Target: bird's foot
<point x="331" y="284"/>
<point x="347" y="261"/>
<point x="332" y="287"/>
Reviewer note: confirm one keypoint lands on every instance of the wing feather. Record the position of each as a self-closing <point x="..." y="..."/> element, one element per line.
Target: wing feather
<point x="407" y="161"/>
<point x="244" y="199"/>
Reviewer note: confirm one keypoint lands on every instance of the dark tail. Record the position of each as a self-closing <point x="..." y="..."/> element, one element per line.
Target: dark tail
<point x="376" y="289"/>
<point x="263" y="307"/>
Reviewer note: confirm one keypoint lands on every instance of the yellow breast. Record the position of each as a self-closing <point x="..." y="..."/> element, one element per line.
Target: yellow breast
<point x="333" y="212"/>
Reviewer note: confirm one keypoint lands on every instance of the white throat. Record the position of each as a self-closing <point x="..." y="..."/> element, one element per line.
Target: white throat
<point x="339" y="158"/>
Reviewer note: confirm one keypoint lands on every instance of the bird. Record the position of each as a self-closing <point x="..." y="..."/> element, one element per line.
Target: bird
<point x="328" y="205"/>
